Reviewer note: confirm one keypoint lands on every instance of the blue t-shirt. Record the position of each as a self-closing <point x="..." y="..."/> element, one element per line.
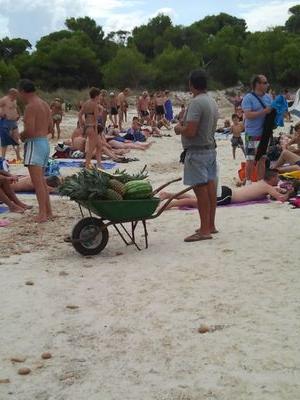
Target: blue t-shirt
<point x="254" y="127"/>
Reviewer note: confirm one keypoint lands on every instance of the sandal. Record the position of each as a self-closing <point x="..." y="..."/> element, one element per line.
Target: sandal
<point x="196" y="237"/>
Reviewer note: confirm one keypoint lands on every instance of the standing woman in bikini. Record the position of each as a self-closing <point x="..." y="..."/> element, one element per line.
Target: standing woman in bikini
<point x="88" y="121"/>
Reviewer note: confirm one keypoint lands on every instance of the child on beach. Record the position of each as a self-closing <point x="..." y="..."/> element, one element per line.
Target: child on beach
<point x="236" y="129"/>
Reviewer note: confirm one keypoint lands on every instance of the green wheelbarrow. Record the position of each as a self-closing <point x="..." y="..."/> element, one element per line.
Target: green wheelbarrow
<point x="90" y="235"/>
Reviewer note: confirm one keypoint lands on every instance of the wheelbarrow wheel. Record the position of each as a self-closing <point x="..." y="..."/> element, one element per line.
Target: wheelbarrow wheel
<point x="89" y="236"/>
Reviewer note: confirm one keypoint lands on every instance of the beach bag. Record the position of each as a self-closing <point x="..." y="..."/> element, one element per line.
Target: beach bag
<point x="4" y="166"/>
<point x="52" y="168"/>
<point x="242" y="173"/>
<point x="268" y="127"/>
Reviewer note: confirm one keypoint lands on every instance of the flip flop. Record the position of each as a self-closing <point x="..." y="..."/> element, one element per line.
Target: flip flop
<point x="196" y="237"/>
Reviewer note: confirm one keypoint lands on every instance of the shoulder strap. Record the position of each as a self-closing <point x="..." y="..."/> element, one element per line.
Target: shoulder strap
<point x="261" y="102"/>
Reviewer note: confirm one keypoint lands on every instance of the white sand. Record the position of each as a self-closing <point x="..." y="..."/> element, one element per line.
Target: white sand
<point x="135" y="333"/>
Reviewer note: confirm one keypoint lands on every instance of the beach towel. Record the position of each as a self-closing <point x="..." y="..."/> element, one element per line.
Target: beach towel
<point x="245" y="203"/>
<point x="281" y="106"/>
<point x="3" y="209"/>
<point x="169" y="110"/>
<point x="3" y="223"/>
<point x="79" y="163"/>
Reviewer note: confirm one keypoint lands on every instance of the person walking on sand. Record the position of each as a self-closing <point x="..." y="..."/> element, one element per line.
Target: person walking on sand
<point x="256" y="105"/>
<point x="9" y="115"/>
<point x="200" y="166"/>
<point x="37" y="124"/>
<point x="57" y="114"/>
<point x="122" y="105"/>
<point x="88" y="116"/>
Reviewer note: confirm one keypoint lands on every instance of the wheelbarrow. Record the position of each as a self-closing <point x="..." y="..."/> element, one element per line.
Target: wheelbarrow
<point x="90" y="235"/>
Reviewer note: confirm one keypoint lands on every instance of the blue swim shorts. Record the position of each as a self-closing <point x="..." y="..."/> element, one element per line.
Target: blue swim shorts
<point x="200" y="167"/>
<point x="36" y="151"/>
<point x="6" y="126"/>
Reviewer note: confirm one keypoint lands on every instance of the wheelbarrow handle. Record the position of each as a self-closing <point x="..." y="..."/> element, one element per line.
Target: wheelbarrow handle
<point x="165" y="185"/>
<point x="162" y="209"/>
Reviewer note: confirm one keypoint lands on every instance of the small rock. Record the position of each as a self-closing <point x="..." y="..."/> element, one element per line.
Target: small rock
<point x="203" y="329"/>
<point x="24" y="371"/>
<point x="119" y="253"/>
<point x="266" y="217"/>
<point x="29" y="283"/>
<point x="63" y="273"/>
<point x="46" y="355"/>
<point x="88" y="266"/>
<point x="72" y="307"/>
<point x="18" y="359"/>
<point x="4" y="381"/>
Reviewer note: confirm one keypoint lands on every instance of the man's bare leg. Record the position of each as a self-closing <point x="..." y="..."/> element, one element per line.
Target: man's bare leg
<point x="11" y="205"/>
<point x="286" y="156"/>
<point x="261" y="168"/>
<point x="17" y="151"/>
<point x="204" y="208"/>
<point x="58" y="129"/>
<point x="10" y="193"/>
<point x="37" y="177"/>
<point x="233" y="152"/>
<point x="249" y="169"/>
<point x="120" y="115"/>
<point x="212" y="193"/>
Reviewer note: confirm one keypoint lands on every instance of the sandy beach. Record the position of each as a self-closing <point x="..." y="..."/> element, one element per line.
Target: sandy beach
<point x="124" y="325"/>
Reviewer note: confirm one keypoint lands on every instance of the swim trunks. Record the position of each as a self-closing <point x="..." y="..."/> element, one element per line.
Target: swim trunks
<point x="200" y="166"/>
<point x="57" y="117"/>
<point x="36" y="151"/>
<point x="251" y="145"/>
<point x="6" y="128"/>
<point x="297" y="163"/>
<point x="237" y="141"/>
<point x="160" y="110"/>
<point x="144" y="113"/>
<point x="225" y="197"/>
<point x="113" y="111"/>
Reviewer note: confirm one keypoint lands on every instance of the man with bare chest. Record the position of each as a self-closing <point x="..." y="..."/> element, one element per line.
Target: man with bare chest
<point x="37" y="124"/>
<point x="143" y="107"/>
<point x="57" y="114"/>
<point x="121" y="105"/>
<point x="9" y="116"/>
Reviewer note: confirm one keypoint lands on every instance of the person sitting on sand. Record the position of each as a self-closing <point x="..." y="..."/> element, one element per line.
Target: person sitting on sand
<point x="7" y="194"/>
<point x="134" y="133"/>
<point x="236" y="129"/>
<point x="287" y="157"/>
<point x="9" y="115"/>
<point x="294" y="139"/>
<point x="257" y="191"/>
<point x="24" y="184"/>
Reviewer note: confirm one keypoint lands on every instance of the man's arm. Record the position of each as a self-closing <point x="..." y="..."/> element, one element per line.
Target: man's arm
<point x="273" y="191"/>
<point x="254" y="114"/>
<point x="189" y="129"/>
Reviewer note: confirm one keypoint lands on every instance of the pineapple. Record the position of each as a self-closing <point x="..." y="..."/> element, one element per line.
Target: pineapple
<point x="117" y="186"/>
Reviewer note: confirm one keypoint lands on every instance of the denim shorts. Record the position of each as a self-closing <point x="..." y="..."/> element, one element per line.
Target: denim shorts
<point x="200" y="167"/>
<point x="36" y="151"/>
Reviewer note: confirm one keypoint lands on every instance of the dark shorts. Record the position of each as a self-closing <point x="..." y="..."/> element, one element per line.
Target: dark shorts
<point x="251" y="145"/>
<point x="297" y="163"/>
<point x="114" y="111"/>
<point x="200" y="167"/>
<point x="144" y="113"/>
<point x="6" y="127"/>
<point x="159" y="110"/>
<point x="225" y="197"/>
<point x="237" y="141"/>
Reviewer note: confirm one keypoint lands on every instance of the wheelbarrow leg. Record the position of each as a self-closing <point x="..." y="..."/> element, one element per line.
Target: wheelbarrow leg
<point x="146" y="233"/>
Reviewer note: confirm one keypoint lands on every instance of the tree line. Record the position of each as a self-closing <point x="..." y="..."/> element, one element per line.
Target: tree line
<point x="155" y="55"/>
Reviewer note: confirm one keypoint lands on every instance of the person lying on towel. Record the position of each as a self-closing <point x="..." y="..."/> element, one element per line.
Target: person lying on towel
<point x="7" y="194"/>
<point x="254" y="192"/>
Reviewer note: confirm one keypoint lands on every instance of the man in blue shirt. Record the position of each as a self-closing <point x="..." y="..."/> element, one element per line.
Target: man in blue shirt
<point x="256" y="105"/>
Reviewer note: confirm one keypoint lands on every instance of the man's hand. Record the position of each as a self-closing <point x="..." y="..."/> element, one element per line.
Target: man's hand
<point x="177" y="129"/>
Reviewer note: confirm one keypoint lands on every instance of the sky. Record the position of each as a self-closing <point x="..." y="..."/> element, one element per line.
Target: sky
<point x="32" y="19"/>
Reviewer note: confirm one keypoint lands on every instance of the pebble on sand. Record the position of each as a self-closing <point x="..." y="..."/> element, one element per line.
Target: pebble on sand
<point x="46" y="355"/>
<point x="72" y="307"/>
<point x="24" y="371"/>
<point x="4" y="381"/>
<point x="29" y="283"/>
<point x="203" y="328"/>
<point x="18" y="359"/>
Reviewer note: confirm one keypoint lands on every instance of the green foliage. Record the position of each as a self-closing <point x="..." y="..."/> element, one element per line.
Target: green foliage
<point x="293" y="23"/>
<point x="173" y="66"/>
<point x="9" y="75"/>
<point x="155" y="54"/>
<point x="127" y="68"/>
